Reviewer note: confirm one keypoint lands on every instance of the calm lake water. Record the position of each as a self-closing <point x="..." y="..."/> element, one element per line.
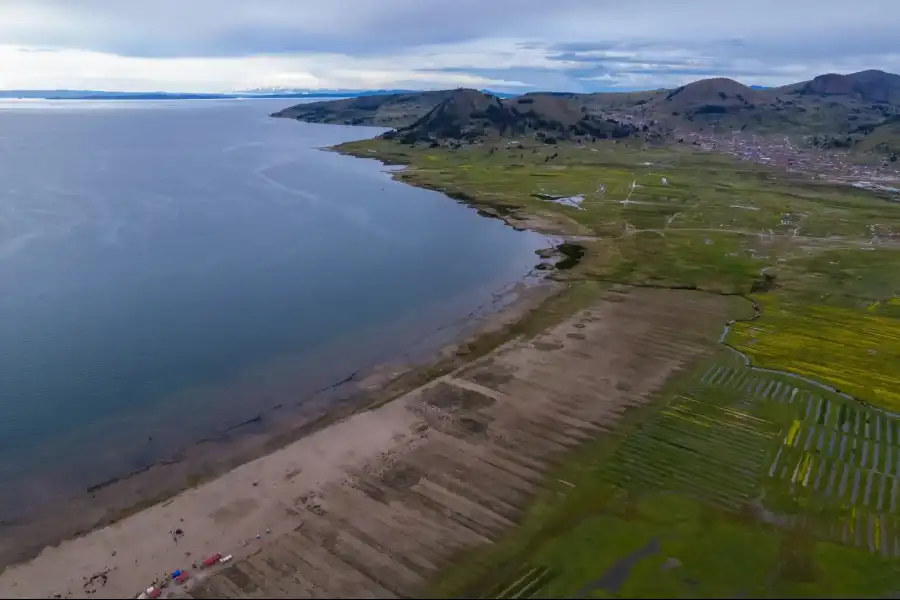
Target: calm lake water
<point x="171" y="269"/>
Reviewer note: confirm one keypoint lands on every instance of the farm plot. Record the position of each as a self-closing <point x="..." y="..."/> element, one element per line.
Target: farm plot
<point x="708" y="451"/>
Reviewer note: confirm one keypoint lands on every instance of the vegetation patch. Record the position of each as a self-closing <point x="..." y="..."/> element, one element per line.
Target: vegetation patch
<point x="854" y="351"/>
<point x="735" y="480"/>
<point x="573" y="254"/>
<point x="652" y="215"/>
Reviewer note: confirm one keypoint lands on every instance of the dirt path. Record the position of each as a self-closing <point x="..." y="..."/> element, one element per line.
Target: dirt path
<point x="375" y="505"/>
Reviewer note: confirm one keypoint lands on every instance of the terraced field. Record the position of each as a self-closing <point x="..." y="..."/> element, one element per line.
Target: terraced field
<point x="624" y="452"/>
<point x="761" y="466"/>
<point x="835" y="470"/>
<point x="482" y="443"/>
<point x="700" y="448"/>
<point x="742" y="481"/>
<point x="835" y="450"/>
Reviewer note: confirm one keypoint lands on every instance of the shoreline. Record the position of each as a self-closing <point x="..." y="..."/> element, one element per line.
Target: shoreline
<point x="515" y="358"/>
<point x="378" y="500"/>
<point x="105" y="503"/>
<point x="512" y="217"/>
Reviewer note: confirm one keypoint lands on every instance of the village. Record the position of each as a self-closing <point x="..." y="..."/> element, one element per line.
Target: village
<point x="783" y="153"/>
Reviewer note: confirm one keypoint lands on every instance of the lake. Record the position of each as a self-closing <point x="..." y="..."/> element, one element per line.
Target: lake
<point x="171" y="269"/>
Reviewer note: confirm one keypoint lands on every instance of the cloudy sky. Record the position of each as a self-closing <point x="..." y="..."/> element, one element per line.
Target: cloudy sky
<point x="512" y="45"/>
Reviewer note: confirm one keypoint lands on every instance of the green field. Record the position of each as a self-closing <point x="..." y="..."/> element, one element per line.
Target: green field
<point x="737" y="483"/>
<point x="734" y="481"/>
<point x="855" y="351"/>
<point x="659" y="216"/>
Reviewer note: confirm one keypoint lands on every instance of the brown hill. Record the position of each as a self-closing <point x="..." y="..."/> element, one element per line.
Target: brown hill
<point x="823" y="105"/>
<point x="866" y="86"/>
<point x="710" y="95"/>
<point x="462" y="114"/>
<point x="707" y="104"/>
<point x="837" y="107"/>
<point x="389" y="110"/>
<point x="882" y="139"/>
<point x="469" y="115"/>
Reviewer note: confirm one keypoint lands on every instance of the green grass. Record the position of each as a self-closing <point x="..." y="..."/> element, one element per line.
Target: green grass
<point x="722" y="473"/>
<point x="853" y="350"/>
<point x="714" y="261"/>
<point x="834" y="319"/>
<point x="573" y="494"/>
<point x="856" y="278"/>
<point x="751" y="483"/>
<point x="715" y="556"/>
<point x="694" y="220"/>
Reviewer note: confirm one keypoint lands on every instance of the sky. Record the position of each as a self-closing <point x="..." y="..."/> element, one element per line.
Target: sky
<point x="503" y="45"/>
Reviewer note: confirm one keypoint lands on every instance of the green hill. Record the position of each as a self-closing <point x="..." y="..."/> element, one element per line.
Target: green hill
<point x="388" y="110"/>
<point x="469" y="115"/>
<point x="882" y="139"/>
<point x="855" y="110"/>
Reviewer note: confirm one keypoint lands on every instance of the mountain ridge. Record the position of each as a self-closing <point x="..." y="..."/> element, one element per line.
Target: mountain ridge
<point x="469" y="115"/>
<point x="844" y="108"/>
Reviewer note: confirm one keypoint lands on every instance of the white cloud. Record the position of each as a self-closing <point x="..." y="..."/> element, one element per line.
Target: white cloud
<point x="26" y="68"/>
<point x="210" y="45"/>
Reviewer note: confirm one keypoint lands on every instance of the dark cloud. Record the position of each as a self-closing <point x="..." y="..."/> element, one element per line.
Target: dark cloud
<point x="219" y="28"/>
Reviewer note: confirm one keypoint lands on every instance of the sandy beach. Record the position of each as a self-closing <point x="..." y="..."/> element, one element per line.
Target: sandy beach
<point x="103" y="502"/>
<point x="375" y="504"/>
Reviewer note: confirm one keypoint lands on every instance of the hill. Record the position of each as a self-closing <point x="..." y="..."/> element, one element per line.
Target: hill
<point x="882" y="139"/>
<point x="468" y="115"/>
<point x="717" y="95"/>
<point x="807" y="108"/>
<point x="866" y="87"/>
<point x="708" y="102"/>
<point x="390" y="110"/>
<point x="843" y="108"/>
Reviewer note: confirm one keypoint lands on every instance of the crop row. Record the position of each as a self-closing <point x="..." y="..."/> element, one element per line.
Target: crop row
<point x="709" y="451"/>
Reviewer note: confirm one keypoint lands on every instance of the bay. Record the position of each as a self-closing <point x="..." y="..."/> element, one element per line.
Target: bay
<point x="171" y="269"/>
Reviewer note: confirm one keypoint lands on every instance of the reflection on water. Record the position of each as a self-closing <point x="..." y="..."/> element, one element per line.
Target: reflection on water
<point x="170" y="269"/>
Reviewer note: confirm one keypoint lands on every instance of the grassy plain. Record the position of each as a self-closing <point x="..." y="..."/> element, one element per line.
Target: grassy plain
<point x="835" y="319"/>
<point x="734" y="481"/>
<point x="658" y="216"/>
<point x="853" y="350"/>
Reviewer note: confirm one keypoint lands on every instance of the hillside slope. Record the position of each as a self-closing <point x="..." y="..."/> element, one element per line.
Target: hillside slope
<point x="866" y="86"/>
<point x="823" y="105"/>
<point x="841" y="108"/>
<point x="882" y="139"/>
<point x="469" y="115"/>
<point x="388" y="110"/>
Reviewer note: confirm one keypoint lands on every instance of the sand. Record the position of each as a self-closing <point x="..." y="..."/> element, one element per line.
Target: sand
<point x="376" y="504"/>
